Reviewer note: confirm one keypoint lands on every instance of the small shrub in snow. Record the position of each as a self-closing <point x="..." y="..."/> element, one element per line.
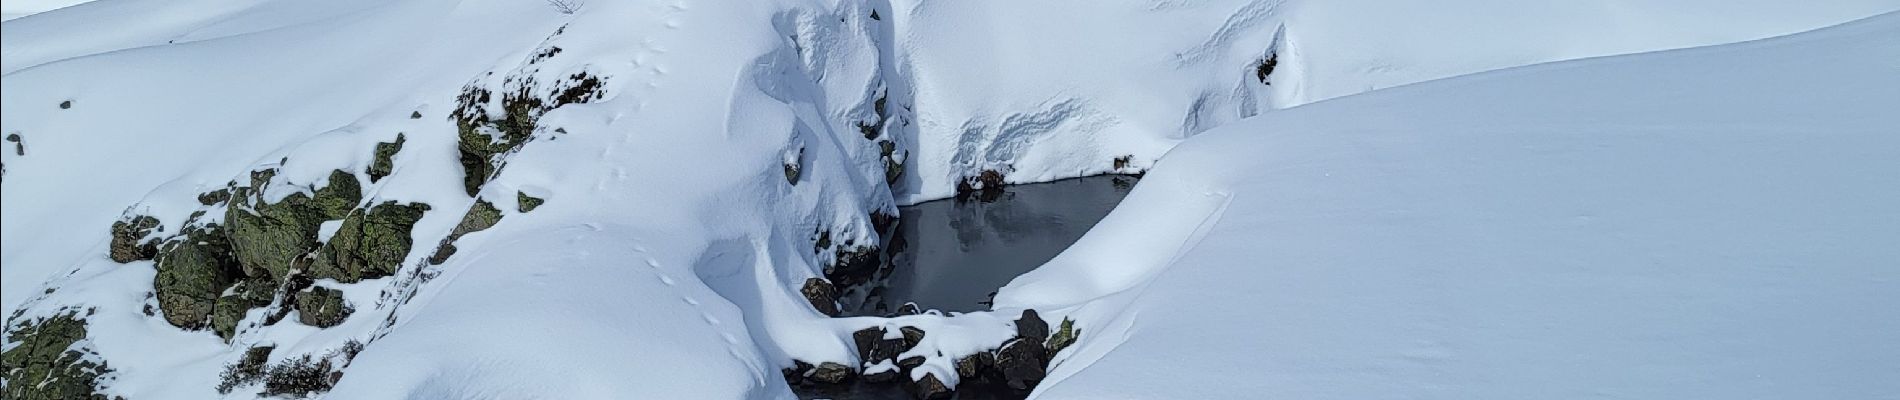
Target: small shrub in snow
<point x="566" y="6"/>
<point x="298" y="377"/>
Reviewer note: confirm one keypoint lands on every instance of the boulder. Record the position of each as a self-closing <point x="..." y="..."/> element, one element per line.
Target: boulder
<point x="193" y="271"/>
<point x="1021" y="363"/>
<point x="821" y="295"/>
<point x="322" y="307"/>
<point x="831" y="373"/>
<point x="912" y="336"/>
<point x="369" y="244"/>
<point x="384" y="161"/>
<point x="128" y="239"/>
<point x="1031" y="326"/>
<point x="930" y="388"/>
<point x="975" y="366"/>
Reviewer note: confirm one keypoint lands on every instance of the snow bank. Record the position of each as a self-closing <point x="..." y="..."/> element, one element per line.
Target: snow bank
<point x="1702" y="223"/>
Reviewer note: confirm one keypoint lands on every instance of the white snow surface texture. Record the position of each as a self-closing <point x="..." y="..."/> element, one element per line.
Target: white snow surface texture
<point x="1714" y="221"/>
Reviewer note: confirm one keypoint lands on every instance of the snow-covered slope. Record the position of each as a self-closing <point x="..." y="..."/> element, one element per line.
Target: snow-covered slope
<point x="500" y="193"/>
<point x="1703" y="223"/>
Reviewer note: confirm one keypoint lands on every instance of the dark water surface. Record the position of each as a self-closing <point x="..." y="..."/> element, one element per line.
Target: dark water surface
<point x="957" y="252"/>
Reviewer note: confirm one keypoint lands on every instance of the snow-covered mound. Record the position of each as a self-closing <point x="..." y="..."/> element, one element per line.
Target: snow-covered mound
<point x="1704" y="223"/>
<point x="470" y="198"/>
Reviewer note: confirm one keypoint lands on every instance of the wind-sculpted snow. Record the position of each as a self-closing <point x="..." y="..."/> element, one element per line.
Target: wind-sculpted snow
<point x="1703" y="223"/>
<point x="626" y="200"/>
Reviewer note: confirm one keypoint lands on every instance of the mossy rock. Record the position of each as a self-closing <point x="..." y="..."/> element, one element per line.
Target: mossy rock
<point x="267" y="237"/>
<point x="248" y="294"/>
<point x="384" y="163"/>
<point x="369" y="245"/>
<point x="525" y="203"/>
<point x="322" y="307"/>
<point x="45" y="366"/>
<point x="482" y="215"/>
<point x="214" y="197"/>
<point x="193" y="271"/>
<point x="483" y="138"/>
<point x="128" y="239"/>
<point x="340" y="196"/>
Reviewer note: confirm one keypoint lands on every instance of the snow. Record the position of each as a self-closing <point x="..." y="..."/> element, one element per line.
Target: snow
<point x="666" y="260"/>
<point x="1701" y="223"/>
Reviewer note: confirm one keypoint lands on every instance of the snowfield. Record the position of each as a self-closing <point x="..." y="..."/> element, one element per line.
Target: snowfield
<point x="424" y="199"/>
<point x="1703" y="223"/>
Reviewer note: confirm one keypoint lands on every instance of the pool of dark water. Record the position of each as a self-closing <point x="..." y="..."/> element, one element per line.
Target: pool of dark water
<point x="958" y="251"/>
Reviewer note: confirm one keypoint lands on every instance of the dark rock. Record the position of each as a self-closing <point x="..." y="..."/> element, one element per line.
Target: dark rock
<point x="909" y="308"/>
<point x="322" y="307"/>
<point x="66" y="104"/>
<point x="880" y="376"/>
<point x="821" y="296"/>
<point x="525" y="203"/>
<point x="930" y="388"/>
<point x="1031" y="326"/>
<point x="883" y="222"/>
<point x="1265" y="68"/>
<point x="831" y="373"/>
<point x="866" y="340"/>
<point x="128" y="239"/>
<point x="384" y="162"/>
<point x="1021" y="363"/>
<point x="975" y="366"/>
<point x="854" y="265"/>
<point x="796" y="374"/>
<point x="794" y="167"/>
<point x="911" y="362"/>
<point x="873" y="347"/>
<point x="912" y="336"/>
<point x="415" y="115"/>
<point x="874" y="16"/>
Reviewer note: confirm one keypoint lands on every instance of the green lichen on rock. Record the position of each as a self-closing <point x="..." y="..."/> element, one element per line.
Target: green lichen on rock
<point x="128" y="239"/>
<point x="230" y="309"/>
<point x="1064" y="336"/>
<point x="525" y="203"/>
<point x="214" y="197"/>
<point x="384" y="163"/>
<point x="482" y="215"/>
<point x="322" y="307"/>
<point x="267" y="237"/>
<point x="340" y="196"/>
<point x="370" y="244"/>
<point x="44" y="365"/>
<point x="193" y="271"/>
<point x="482" y="137"/>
